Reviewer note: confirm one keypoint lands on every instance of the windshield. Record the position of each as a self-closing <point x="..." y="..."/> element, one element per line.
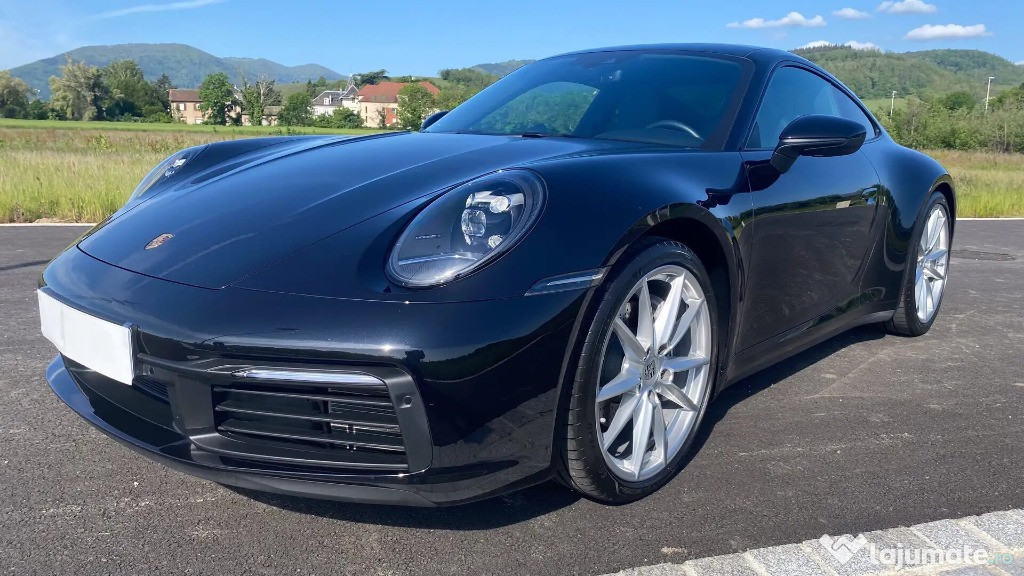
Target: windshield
<point x="657" y="97"/>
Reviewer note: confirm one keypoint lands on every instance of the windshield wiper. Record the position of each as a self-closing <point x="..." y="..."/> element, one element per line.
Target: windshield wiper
<point x="543" y="135"/>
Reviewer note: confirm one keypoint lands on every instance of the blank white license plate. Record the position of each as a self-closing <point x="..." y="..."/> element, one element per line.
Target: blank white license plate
<point x="96" y="344"/>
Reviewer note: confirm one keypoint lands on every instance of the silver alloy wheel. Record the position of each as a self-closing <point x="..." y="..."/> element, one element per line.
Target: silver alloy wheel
<point x="654" y="387"/>
<point x="932" y="264"/>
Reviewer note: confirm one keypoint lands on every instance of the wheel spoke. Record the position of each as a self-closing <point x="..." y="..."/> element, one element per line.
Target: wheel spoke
<point x="634" y="349"/>
<point x="933" y="273"/>
<point x="658" y="429"/>
<point x="666" y="319"/>
<point x="936" y="257"/>
<point x="922" y="303"/>
<point x="683" y="363"/>
<point x="676" y="394"/>
<point x="685" y="321"/>
<point x="645" y="316"/>
<point x="936" y="293"/>
<point x="623" y="414"/>
<point x="940" y="228"/>
<point x="622" y="383"/>
<point x="642" y="419"/>
<point x="933" y="230"/>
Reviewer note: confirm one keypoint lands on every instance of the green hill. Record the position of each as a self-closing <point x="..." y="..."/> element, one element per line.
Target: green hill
<point x="874" y="74"/>
<point x="186" y="65"/>
<point x="500" y="69"/>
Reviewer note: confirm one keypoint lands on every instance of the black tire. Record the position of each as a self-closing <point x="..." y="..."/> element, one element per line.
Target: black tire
<point x="583" y="467"/>
<point x="905" y="321"/>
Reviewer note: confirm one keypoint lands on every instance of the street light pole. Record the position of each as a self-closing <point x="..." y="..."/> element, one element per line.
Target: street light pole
<point x="892" y="105"/>
<point x="988" y="93"/>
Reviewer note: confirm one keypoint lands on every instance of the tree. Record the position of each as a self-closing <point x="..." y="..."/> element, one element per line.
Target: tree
<point x="451" y="97"/>
<point x="297" y="110"/>
<point x="78" y="94"/>
<point x="126" y="90"/>
<point x="341" y="118"/>
<point x="38" y="110"/>
<point x="414" y="104"/>
<point x="257" y="96"/>
<point x="470" y="78"/>
<point x="375" y="77"/>
<point x="960" y="100"/>
<point x="161" y="90"/>
<point x="14" y="96"/>
<point x="216" y="94"/>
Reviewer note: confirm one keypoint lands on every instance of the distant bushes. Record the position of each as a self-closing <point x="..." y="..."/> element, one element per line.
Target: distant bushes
<point x="956" y="122"/>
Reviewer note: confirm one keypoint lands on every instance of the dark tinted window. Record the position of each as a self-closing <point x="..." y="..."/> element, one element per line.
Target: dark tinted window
<point x="848" y="109"/>
<point x="666" y="98"/>
<point x="794" y="92"/>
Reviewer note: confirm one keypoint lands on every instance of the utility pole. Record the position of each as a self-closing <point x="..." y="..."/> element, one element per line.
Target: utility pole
<point x="892" y="105"/>
<point x="988" y="93"/>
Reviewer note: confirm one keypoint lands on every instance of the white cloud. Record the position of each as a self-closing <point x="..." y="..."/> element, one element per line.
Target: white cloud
<point x="851" y="14"/>
<point x="791" y="19"/>
<point x="934" y="32"/>
<point x="1021" y="63"/>
<point x="907" y="7"/>
<point x="851" y="44"/>
<point x="863" y="45"/>
<point x="185" y="5"/>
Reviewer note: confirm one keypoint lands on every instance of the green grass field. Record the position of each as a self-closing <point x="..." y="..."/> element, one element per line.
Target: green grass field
<point x="83" y="171"/>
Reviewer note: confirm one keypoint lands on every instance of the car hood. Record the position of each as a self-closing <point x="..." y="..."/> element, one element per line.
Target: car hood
<point x="244" y="213"/>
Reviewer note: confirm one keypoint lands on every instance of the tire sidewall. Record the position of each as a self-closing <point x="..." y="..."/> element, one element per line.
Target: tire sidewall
<point x="613" y="294"/>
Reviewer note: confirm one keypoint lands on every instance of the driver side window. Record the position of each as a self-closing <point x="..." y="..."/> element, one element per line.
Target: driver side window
<point x="792" y="93"/>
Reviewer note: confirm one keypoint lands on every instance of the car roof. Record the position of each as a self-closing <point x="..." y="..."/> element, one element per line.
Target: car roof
<point x="758" y="54"/>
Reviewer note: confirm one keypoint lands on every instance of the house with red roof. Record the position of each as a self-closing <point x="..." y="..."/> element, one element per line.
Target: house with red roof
<point x="379" y="102"/>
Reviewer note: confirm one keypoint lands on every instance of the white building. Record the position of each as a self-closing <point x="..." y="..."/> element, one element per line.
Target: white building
<point x="329" y="100"/>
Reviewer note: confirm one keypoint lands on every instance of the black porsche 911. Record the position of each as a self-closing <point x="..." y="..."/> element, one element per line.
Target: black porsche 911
<point x="552" y="280"/>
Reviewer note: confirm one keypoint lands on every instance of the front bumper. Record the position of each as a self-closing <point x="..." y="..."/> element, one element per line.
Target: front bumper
<point x="475" y="384"/>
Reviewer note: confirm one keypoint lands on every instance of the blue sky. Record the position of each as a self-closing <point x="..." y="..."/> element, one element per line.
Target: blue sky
<point x="408" y="37"/>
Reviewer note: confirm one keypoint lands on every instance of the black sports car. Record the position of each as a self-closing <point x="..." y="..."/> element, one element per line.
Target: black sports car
<point x="552" y="280"/>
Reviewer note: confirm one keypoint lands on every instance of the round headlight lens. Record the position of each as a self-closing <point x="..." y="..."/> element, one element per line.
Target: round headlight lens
<point x="166" y="169"/>
<point x="466" y="227"/>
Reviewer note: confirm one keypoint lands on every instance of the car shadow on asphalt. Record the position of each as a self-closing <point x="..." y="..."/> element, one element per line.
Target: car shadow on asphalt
<point x="550" y="496"/>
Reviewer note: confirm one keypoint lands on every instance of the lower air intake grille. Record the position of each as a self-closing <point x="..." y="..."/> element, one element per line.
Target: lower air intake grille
<point x="152" y="387"/>
<point x="333" y="424"/>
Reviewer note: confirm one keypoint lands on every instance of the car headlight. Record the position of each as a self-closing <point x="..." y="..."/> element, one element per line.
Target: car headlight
<point x="166" y="169"/>
<point x="466" y="227"/>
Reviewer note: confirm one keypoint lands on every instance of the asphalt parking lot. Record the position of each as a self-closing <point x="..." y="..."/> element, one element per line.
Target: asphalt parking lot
<point x="863" y="432"/>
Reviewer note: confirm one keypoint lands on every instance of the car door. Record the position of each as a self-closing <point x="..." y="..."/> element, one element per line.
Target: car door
<point x="812" y="227"/>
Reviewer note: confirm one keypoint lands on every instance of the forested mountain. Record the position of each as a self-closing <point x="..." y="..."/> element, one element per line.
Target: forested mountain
<point x="874" y="74"/>
<point x="500" y="69"/>
<point x="186" y="65"/>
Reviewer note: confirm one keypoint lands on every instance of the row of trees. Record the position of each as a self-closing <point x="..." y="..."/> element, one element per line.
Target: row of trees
<point x="115" y="92"/>
<point x="958" y="121"/>
<point x="120" y="92"/>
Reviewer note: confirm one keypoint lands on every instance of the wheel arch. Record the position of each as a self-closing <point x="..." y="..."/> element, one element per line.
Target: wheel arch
<point x="715" y="244"/>
<point x="945" y="187"/>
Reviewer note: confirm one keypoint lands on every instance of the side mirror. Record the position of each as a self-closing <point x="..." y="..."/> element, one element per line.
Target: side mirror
<point x="819" y="136"/>
<point x="431" y="119"/>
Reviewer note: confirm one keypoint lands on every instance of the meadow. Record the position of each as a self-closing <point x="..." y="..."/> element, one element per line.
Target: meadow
<point x="77" y="172"/>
